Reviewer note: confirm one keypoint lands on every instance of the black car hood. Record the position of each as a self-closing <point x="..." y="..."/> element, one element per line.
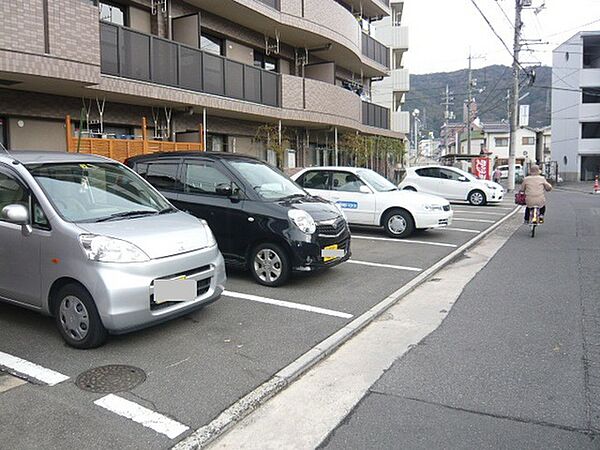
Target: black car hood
<point x="318" y="208"/>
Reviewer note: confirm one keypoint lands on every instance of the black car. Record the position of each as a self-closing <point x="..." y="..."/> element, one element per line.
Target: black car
<point x="261" y="219"/>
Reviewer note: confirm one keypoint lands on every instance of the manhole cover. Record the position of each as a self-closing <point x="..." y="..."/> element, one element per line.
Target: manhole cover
<point x="111" y="378"/>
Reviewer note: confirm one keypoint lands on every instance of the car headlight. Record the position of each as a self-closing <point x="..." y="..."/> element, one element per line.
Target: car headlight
<point x="342" y="213"/>
<point x="490" y="186"/>
<point x="107" y="249"/>
<point x="210" y="237"/>
<point x="302" y="220"/>
<point x="433" y="207"/>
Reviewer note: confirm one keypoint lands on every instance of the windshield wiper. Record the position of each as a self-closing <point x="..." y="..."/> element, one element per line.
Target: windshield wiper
<point x="125" y="214"/>
<point x="392" y="189"/>
<point x="289" y="197"/>
<point x="167" y="210"/>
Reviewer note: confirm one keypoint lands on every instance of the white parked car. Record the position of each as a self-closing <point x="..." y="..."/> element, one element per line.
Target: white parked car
<point x="367" y="198"/>
<point x="504" y="171"/>
<point x="452" y="184"/>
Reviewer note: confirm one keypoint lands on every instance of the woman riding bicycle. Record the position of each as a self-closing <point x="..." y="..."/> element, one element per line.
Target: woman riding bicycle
<point x="535" y="186"/>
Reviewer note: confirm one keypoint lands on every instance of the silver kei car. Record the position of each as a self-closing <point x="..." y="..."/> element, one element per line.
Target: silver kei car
<point x="86" y="240"/>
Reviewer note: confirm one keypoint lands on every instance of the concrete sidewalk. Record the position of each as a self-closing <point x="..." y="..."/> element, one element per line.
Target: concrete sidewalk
<point x="515" y="364"/>
<point x="585" y="187"/>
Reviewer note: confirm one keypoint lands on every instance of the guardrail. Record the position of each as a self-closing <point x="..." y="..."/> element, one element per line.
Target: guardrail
<point x="131" y="54"/>
<point x="375" y="50"/>
<point x="375" y="115"/>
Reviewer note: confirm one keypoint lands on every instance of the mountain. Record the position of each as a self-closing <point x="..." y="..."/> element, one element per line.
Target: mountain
<point x="427" y="93"/>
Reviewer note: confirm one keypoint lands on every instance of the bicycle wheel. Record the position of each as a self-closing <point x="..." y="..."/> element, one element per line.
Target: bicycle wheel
<point x="533" y="230"/>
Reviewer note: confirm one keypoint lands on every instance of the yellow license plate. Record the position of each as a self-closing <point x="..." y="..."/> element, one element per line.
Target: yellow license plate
<point x="331" y="252"/>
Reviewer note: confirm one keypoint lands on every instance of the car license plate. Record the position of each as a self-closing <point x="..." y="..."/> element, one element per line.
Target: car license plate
<point x="180" y="290"/>
<point x="332" y="252"/>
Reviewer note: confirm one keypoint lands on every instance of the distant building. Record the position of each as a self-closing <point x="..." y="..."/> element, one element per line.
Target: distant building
<point x="576" y="107"/>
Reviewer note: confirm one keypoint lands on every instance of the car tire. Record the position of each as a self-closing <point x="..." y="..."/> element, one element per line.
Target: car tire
<point x="477" y="198"/>
<point x="409" y="188"/>
<point x="269" y="265"/>
<point x="398" y="223"/>
<point x="77" y="317"/>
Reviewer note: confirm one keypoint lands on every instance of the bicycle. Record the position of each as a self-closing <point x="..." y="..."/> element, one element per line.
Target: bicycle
<point x="534" y="219"/>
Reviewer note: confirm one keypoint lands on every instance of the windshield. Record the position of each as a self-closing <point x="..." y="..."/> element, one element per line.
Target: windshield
<point x="94" y="192"/>
<point x="376" y="181"/>
<point x="268" y="183"/>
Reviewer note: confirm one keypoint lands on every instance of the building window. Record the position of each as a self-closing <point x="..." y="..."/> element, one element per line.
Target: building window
<point x="590" y="130"/>
<point x="501" y="142"/>
<point x="591" y="52"/>
<point x="265" y="62"/>
<point x="528" y="141"/>
<point x="211" y="44"/>
<point x="591" y="95"/>
<point x="113" y="13"/>
<point x="216" y="143"/>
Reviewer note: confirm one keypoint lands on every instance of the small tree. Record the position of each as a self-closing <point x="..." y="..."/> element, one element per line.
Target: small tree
<point x="269" y="135"/>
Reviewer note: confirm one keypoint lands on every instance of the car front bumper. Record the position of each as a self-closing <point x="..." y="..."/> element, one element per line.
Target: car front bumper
<point x="434" y="219"/>
<point x="494" y="196"/>
<point x="124" y="293"/>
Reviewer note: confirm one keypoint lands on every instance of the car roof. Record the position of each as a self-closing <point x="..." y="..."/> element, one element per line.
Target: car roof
<point x="45" y="157"/>
<point x="196" y="154"/>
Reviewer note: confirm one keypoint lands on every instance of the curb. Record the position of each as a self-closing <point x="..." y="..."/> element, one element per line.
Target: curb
<point x="247" y="404"/>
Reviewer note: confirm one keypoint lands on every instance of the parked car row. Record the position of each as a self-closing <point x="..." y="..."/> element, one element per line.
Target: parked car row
<point x="107" y="248"/>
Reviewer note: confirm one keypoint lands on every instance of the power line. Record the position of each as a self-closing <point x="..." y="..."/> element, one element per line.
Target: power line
<point x="497" y="35"/>
<point x="504" y="12"/>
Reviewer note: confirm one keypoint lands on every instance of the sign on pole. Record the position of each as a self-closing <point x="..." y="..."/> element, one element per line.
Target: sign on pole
<point x="524" y="116"/>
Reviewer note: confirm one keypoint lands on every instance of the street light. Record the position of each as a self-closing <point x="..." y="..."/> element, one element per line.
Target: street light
<point x="415" y="114"/>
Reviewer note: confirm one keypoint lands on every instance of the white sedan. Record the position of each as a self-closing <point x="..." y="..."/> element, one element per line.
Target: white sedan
<point x="367" y="198"/>
<point x="451" y="183"/>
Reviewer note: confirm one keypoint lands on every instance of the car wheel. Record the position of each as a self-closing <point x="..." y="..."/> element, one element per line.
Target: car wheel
<point x="77" y="318"/>
<point x="398" y="223"/>
<point x="477" y="198"/>
<point x="409" y="188"/>
<point x="270" y="265"/>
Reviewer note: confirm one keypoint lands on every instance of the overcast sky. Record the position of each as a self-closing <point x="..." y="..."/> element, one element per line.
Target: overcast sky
<point x="441" y="31"/>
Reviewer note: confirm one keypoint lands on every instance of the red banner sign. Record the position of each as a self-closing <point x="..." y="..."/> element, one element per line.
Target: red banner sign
<point x="481" y="168"/>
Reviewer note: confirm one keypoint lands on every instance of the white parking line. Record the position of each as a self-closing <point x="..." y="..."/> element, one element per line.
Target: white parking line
<point x="464" y="219"/>
<point x="387" y="266"/>
<point x="464" y="230"/>
<point x="28" y="369"/>
<point x="144" y="416"/>
<point x="404" y="241"/>
<point x="300" y="306"/>
<point x="479" y="213"/>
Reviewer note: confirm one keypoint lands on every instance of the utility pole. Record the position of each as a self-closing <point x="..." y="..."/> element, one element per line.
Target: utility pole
<point x="469" y="99"/>
<point x="514" y="119"/>
<point x="448" y="101"/>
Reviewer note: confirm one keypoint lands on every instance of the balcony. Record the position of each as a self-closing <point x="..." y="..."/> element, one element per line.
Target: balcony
<point x="400" y="80"/>
<point x="130" y="54"/>
<point x="375" y="116"/>
<point x="401" y="121"/>
<point x="375" y="50"/>
<point x="400" y="38"/>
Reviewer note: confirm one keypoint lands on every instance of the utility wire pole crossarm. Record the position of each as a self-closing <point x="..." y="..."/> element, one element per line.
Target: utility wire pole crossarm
<point x="514" y="117"/>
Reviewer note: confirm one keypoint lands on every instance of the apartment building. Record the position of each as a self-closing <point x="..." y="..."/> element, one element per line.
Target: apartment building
<point x="576" y="107"/>
<point x="390" y="92"/>
<point x="191" y="74"/>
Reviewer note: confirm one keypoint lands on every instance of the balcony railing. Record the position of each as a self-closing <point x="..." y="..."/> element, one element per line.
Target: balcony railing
<point x="140" y="56"/>
<point x="375" y="50"/>
<point x="375" y="115"/>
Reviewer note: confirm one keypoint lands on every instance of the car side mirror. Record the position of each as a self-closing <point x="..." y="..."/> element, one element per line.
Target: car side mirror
<point x="16" y="214"/>
<point x="224" y="189"/>
<point x="462" y="178"/>
<point x="364" y="189"/>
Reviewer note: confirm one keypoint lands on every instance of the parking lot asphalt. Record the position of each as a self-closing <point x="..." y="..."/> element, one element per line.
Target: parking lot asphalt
<point x="200" y="364"/>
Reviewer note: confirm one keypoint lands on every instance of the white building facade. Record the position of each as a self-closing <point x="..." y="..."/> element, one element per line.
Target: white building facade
<point x="391" y="91"/>
<point x="576" y="107"/>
